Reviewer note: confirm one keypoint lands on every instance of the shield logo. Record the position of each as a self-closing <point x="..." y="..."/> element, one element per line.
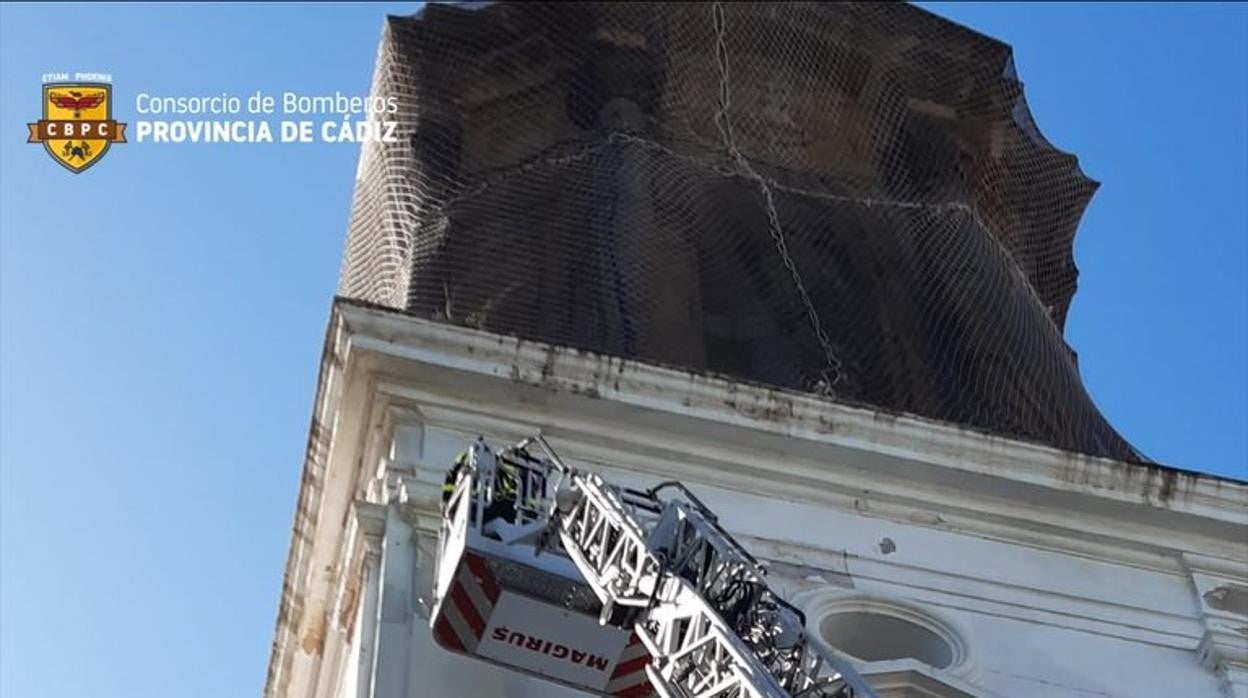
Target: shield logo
<point x="77" y="125"/>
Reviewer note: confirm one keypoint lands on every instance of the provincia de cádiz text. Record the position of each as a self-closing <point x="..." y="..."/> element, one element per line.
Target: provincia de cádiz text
<point x="260" y="117"/>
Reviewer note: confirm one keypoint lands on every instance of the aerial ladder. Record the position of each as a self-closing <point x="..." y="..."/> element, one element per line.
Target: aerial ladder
<point x="554" y="572"/>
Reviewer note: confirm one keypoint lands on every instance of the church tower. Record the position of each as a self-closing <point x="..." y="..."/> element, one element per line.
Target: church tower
<point x="813" y="260"/>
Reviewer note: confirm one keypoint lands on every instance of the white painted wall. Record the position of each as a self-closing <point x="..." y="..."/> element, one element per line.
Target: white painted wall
<point x="1053" y="584"/>
<point x="1039" y="623"/>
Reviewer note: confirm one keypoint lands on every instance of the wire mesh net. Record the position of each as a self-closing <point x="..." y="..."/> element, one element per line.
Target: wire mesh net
<point x="845" y="199"/>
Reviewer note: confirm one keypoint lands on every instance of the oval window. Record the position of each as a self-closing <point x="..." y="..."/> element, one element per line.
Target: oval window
<point x="874" y="637"/>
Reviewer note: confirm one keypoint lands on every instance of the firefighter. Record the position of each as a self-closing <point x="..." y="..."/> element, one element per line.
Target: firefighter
<point x="506" y="481"/>
<point x="452" y="476"/>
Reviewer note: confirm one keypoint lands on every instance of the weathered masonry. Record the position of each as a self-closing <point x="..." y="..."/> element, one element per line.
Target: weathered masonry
<point x="814" y="261"/>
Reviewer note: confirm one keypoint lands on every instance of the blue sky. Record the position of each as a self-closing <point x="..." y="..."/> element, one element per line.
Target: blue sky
<point x="161" y="315"/>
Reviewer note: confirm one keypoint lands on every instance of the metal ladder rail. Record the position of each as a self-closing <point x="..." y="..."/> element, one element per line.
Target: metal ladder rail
<point x="776" y="634"/>
<point x="696" y="650"/>
<point x="696" y="654"/>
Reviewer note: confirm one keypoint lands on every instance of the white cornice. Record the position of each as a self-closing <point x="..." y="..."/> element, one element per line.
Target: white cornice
<point x="943" y="451"/>
<point x="748" y="438"/>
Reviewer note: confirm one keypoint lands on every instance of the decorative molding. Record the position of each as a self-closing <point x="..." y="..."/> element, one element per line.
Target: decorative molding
<point x="847" y="450"/>
<point x="459" y="406"/>
<point x="821" y="604"/>
<point x="911" y="679"/>
<point x="1221" y="589"/>
<point x="381" y="369"/>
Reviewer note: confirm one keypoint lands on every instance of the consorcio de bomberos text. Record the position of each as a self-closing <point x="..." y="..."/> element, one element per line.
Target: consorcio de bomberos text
<point x="342" y="118"/>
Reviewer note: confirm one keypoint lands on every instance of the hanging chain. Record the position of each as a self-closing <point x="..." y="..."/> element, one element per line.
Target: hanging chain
<point x="831" y="375"/>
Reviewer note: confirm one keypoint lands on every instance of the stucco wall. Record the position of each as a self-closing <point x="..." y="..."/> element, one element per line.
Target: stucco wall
<point x="1048" y="574"/>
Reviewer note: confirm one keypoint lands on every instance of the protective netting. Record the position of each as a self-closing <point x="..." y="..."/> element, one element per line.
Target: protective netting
<point x="845" y="199"/>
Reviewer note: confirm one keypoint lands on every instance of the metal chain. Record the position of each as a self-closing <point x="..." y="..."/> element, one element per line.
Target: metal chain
<point x="766" y="184"/>
<point x="832" y="371"/>
<point x="740" y="166"/>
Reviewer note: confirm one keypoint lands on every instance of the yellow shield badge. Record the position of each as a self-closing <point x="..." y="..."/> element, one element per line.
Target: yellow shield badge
<point x="77" y="125"/>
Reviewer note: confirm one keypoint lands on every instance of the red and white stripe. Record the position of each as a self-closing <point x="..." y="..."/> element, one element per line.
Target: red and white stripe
<point x="629" y="678"/>
<point x="467" y="607"/>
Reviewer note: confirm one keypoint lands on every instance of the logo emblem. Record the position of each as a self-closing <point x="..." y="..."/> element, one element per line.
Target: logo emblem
<point x="77" y="125"/>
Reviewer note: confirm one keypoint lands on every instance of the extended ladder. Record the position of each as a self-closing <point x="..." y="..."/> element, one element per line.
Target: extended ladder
<point x="693" y="596"/>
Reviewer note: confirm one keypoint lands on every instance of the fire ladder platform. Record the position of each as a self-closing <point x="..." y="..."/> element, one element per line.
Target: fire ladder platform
<point x="553" y="572"/>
